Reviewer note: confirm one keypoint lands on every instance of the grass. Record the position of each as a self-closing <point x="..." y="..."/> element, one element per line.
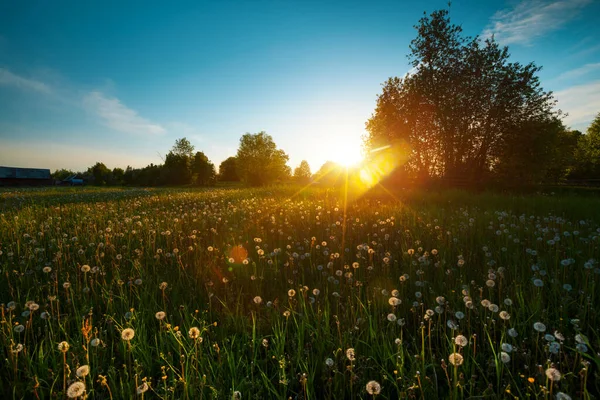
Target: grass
<point x="280" y="285"/>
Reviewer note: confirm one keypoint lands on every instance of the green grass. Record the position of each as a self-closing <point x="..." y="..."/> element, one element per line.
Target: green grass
<point x="315" y="278"/>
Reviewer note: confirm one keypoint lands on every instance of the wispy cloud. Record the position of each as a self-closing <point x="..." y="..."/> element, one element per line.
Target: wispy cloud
<point x="118" y="116"/>
<point x="8" y="78"/>
<point x="579" y="72"/>
<point x="581" y="102"/>
<point x="531" y="19"/>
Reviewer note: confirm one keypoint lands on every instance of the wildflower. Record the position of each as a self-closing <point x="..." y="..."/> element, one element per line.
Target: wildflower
<point x="538" y="282"/>
<point x="163" y="285"/>
<point x="393" y="301"/>
<point x="391" y="317"/>
<point x="95" y="342"/>
<point x="562" y="396"/>
<point x="286" y="313"/>
<point x="63" y="346"/>
<point x="373" y="388"/>
<point x="455" y="359"/>
<point x="237" y="395"/>
<point x="47" y="269"/>
<point x="553" y="374"/>
<point x="142" y="388"/>
<point x="160" y="315"/>
<point x="75" y="390"/>
<point x="540" y="327"/>
<point x="66" y="285"/>
<point x="512" y="332"/>
<point x="291" y="293"/>
<point x="329" y="362"/>
<point x="257" y="300"/>
<point x="350" y="355"/>
<point x="504" y="357"/>
<point x="459" y="315"/>
<point x="461" y="340"/>
<point x="504" y="315"/>
<point x="507" y="347"/>
<point x="194" y="333"/>
<point x="127" y="334"/>
<point x="85" y="268"/>
<point x="83" y="371"/>
<point x="554" y="347"/>
<point x="508" y="302"/>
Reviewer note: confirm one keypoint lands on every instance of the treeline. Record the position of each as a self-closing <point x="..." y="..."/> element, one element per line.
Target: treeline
<point x="257" y="162"/>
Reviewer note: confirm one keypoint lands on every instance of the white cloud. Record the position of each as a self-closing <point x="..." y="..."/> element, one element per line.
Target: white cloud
<point x="530" y="19"/>
<point x="118" y="116"/>
<point x="581" y="102"/>
<point x="579" y="72"/>
<point x="10" y="79"/>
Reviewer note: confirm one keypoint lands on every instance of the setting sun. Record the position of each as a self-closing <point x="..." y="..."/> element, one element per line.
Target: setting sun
<point x="347" y="153"/>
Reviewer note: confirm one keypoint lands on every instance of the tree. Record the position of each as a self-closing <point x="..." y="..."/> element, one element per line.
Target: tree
<point x="177" y="167"/>
<point x="587" y="153"/>
<point x="228" y="170"/>
<point x="465" y="108"/>
<point x="183" y="147"/>
<point x="259" y="161"/>
<point x="117" y="176"/>
<point x="100" y="174"/>
<point x="302" y="172"/>
<point x="203" y="170"/>
<point x="62" y="174"/>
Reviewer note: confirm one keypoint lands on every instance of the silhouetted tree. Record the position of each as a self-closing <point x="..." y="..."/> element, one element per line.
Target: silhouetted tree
<point x="100" y="174"/>
<point x="259" y="161"/>
<point x="177" y="167"/>
<point x="465" y="109"/>
<point x="228" y="170"/>
<point x="203" y="170"/>
<point x="61" y="174"/>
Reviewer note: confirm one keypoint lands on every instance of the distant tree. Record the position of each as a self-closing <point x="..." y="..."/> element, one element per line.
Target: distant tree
<point x="564" y="155"/>
<point x="259" y="161"/>
<point x="228" y="170"/>
<point x="330" y="174"/>
<point x="117" y="176"/>
<point x="100" y="174"/>
<point x="465" y="109"/>
<point x="302" y="172"/>
<point x="183" y="147"/>
<point x="177" y="168"/>
<point x="203" y="170"/>
<point x="62" y="174"/>
<point x="587" y="153"/>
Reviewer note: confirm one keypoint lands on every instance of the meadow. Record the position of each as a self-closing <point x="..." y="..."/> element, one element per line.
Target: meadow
<point x="280" y="293"/>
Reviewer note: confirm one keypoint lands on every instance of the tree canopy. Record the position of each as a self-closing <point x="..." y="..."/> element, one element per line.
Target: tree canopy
<point x="259" y="161"/>
<point x="466" y="108"/>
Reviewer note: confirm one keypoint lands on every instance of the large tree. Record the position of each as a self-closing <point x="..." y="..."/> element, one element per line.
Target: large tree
<point x="177" y="168"/>
<point x="259" y="161"/>
<point x="465" y="107"/>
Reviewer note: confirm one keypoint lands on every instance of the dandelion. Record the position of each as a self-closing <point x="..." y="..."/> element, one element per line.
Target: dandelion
<point x="95" y="342"/>
<point x="553" y="374"/>
<point x="63" y="346"/>
<point x="66" y="285"/>
<point x="83" y="371"/>
<point x="540" y="327"/>
<point x="160" y="315"/>
<point x="512" y="332"/>
<point x="237" y="395"/>
<point x="19" y="328"/>
<point x="391" y="317"/>
<point x="504" y="357"/>
<point x="286" y="313"/>
<point x="142" y="388"/>
<point x="329" y="362"/>
<point x="47" y="269"/>
<point x="127" y="334"/>
<point x="316" y="292"/>
<point x="291" y="293"/>
<point x="350" y="355"/>
<point x="461" y="340"/>
<point x="562" y="396"/>
<point x="394" y="301"/>
<point x="257" y="300"/>
<point x="194" y="333"/>
<point x="163" y="285"/>
<point x="85" y="268"/>
<point x="504" y="315"/>
<point x="455" y="359"/>
<point x="373" y="388"/>
<point x="76" y="389"/>
<point x="507" y="347"/>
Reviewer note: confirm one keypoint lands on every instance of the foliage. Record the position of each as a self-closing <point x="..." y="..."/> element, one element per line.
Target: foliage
<point x="100" y="174"/>
<point x="465" y="108"/>
<point x="62" y="174"/>
<point x="228" y="170"/>
<point x="302" y="172"/>
<point x="259" y="161"/>
<point x="203" y="170"/>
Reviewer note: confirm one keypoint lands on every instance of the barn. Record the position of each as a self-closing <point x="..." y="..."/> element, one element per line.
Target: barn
<point x="13" y="176"/>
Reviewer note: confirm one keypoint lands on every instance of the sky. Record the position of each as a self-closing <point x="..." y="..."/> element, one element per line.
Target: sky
<point x="119" y="82"/>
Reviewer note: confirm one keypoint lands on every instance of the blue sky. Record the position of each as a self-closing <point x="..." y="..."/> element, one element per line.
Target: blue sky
<point x="118" y="82"/>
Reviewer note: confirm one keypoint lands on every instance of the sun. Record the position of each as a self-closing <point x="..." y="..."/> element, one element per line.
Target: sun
<point x="347" y="153"/>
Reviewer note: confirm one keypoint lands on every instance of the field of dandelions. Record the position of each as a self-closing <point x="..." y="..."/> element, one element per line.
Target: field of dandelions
<point x="273" y="294"/>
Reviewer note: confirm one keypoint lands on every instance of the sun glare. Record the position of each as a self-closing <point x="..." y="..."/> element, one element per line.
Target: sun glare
<point x="347" y="153"/>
